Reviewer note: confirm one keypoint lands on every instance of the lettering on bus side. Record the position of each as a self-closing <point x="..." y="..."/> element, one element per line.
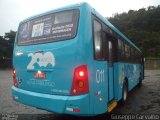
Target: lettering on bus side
<point x="99" y="76"/>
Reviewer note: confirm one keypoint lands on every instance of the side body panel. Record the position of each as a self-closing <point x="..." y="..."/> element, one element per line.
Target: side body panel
<point x="130" y="71"/>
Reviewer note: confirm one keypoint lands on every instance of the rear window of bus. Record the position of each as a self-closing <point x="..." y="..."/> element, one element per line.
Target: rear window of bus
<point x="49" y="28"/>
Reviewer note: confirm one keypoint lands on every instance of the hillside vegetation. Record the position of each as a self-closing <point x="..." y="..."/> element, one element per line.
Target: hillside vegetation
<point x="142" y="27"/>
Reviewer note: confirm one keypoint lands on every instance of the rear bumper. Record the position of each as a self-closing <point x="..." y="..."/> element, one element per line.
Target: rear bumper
<point x="54" y="103"/>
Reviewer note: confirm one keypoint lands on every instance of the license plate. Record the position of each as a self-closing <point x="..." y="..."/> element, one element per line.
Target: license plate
<point x="40" y="75"/>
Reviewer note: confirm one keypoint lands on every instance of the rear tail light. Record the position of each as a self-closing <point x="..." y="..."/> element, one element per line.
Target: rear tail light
<point x="80" y="83"/>
<point x="15" y="83"/>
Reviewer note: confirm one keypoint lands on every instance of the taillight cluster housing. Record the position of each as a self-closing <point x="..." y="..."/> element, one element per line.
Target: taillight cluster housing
<point x="80" y="83"/>
<point x="15" y="83"/>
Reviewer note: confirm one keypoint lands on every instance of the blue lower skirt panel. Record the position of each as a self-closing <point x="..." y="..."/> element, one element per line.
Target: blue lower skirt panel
<point x="55" y="103"/>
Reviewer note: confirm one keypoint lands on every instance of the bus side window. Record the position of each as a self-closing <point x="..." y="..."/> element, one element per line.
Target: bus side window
<point x="120" y="49"/>
<point x="132" y="55"/>
<point x="127" y="52"/>
<point x="135" y="57"/>
<point x="105" y="45"/>
<point x="98" y="40"/>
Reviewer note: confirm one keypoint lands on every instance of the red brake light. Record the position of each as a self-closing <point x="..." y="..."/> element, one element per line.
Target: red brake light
<point x="14" y="71"/>
<point x="81" y="73"/>
<point x="80" y="81"/>
<point x="15" y="78"/>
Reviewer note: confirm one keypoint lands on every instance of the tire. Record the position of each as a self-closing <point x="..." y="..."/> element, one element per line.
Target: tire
<point x="140" y="81"/>
<point x="124" y="93"/>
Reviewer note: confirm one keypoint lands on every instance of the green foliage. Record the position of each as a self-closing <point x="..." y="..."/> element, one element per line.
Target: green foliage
<point x="6" y="45"/>
<point x="142" y="27"/>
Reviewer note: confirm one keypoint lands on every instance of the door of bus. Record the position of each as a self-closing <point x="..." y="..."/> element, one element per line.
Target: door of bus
<point x="110" y="69"/>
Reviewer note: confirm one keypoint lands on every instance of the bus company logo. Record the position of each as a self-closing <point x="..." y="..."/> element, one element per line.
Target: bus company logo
<point x="41" y="59"/>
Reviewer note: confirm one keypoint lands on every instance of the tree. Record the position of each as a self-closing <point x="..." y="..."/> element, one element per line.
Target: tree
<point x="10" y="37"/>
<point x="142" y="27"/>
<point x="6" y="44"/>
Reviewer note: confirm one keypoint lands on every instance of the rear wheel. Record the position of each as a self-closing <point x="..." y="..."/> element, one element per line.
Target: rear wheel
<point x="124" y="93"/>
<point x="140" y="80"/>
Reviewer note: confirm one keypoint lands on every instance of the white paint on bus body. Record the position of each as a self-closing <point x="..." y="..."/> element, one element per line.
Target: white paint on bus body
<point x="41" y="59"/>
<point x="99" y="76"/>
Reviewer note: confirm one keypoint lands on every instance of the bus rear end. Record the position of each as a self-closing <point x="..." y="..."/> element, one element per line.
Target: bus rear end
<point x="48" y="73"/>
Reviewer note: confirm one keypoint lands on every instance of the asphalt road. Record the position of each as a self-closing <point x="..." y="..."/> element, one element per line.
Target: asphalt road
<point x="143" y="100"/>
